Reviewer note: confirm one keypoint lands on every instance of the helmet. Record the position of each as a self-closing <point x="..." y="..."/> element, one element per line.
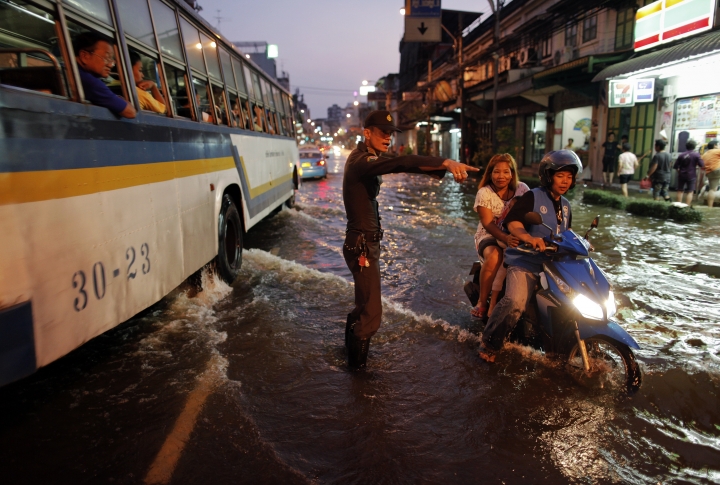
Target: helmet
<point x="558" y="160"/>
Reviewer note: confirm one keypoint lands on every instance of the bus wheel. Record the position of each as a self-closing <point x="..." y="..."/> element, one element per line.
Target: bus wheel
<point x="230" y="241"/>
<point x="290" y="203"/>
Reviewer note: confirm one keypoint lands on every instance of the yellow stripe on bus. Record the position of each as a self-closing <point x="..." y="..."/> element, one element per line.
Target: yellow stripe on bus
<point x="22" y="187"/>
<point x="670" y="3"/>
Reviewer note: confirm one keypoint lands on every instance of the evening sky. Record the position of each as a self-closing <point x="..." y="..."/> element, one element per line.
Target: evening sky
<point x="328" y="44"/>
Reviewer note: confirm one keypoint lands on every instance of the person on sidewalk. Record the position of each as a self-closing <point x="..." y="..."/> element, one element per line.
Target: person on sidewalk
<point x="711" y="159"/>
<point x="361" y="250"/>
<point x="687" y="164"/>
<point x="659" y="171"/>
<point x="557" y="173"/>
<point x="609" y="158"/>
<point x="627" y="164"/>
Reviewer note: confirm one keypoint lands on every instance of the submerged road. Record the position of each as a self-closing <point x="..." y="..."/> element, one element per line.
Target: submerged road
<point x="248" y="384"/>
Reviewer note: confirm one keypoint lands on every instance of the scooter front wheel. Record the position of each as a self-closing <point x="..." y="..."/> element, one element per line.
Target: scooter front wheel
<point x="612" y="365"/>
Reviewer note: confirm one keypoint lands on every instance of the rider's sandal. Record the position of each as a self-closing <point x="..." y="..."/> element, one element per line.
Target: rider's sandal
<point x="479" y="311"/>
<point x="486" y="354"/>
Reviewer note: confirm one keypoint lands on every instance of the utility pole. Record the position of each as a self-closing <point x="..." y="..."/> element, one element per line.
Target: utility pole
<point x="496" y="57"/>
<point x="458" y="46"/>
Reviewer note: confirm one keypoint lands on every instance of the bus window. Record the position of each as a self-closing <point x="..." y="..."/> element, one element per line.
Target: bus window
<point x="167" y="30"/>
<point x="227" y="70"/>
<point x="203" y="102"/>
<point x="193" y="47"/>
<point x="114" y="79"/>
<point x="97" y="9"/>
<point x="256" y="87"/>
<point x="248" y="82"/>
<point x="221" y="112"/>
<point x="136" y="23"/>
<point x="177" y="88"/>
<point x="245" y="110"/>
<point x="258" y="117"/>
<point x="33" y="58"/>
<point x="235" y="112"/>
<point x="210" y="49"/>
<point x="147" y="82"/>
<point x="239" y="76"/>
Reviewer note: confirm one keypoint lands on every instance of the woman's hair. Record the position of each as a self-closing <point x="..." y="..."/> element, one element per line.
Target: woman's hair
<point x="500" y="158"/>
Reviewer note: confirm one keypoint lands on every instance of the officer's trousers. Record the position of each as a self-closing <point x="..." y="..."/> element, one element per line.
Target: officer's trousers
<point x="368" y="302"/>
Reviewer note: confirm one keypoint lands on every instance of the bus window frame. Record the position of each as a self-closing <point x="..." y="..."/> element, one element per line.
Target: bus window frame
<point x="122" y="58"/>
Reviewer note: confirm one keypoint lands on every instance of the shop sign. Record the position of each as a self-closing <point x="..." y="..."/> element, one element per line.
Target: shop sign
<point x="644" y="90"/>
<point x="621" y="94"/>
<point x="669" y="20"/>
<point x="698" y="113"/>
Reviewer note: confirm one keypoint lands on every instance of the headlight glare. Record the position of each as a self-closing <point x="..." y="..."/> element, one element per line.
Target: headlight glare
<point x="610" y="305"/>
<point x="588" y="308"/>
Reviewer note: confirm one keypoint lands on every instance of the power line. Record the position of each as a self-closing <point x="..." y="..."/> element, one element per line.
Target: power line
<point x="327" y="89"/>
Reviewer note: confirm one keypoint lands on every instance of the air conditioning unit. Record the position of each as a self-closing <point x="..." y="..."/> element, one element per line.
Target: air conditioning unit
<point x="569" y="54"/>
<point x="527" y="56"/>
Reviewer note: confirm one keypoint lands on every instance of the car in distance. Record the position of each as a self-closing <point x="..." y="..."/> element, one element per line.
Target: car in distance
<point x="313" y="163"/>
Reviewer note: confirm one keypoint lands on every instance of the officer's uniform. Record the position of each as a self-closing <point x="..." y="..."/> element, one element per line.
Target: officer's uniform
<point x="361" y="185"/>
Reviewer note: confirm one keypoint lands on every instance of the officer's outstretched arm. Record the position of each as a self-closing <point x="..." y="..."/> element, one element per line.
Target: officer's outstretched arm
<point x="459" y="170"/>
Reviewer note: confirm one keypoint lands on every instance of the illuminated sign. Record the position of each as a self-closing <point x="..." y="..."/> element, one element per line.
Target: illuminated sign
<point x="621" y="94"/>
<point x="644" y="90"/>
<point x="364" y="90"/>
<point x="272" y="51"/>
<point x="669" y="20"/>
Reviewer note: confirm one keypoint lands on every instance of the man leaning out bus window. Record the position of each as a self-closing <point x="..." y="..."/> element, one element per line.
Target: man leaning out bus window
<point x="95" y="58"/>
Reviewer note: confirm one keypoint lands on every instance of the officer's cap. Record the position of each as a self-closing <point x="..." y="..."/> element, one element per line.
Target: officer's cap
<point x="381" y="119"/>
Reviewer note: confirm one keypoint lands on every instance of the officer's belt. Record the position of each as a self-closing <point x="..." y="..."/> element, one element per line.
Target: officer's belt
<point x="369" y="236"/>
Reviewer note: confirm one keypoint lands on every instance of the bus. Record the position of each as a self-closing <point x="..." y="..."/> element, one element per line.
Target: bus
<point x="101" y="216"/>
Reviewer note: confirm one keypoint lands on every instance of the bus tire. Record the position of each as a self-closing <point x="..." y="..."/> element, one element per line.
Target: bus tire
<point x="230" y="241"/>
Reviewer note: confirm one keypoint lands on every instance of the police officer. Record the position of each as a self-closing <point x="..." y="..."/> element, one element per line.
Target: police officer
<point x="361" y="185"/>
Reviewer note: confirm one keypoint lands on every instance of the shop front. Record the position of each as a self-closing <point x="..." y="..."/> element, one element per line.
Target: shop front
<point x="670" y="93"/>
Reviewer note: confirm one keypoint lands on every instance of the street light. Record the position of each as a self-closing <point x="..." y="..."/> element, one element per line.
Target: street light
<point x="356" y="103"/>
<point x="364" y="83"/>
<point x="348" y="115"/>
<point x="402" y="11"/>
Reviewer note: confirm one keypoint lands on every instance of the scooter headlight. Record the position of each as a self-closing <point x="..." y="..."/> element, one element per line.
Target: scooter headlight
<point x="610" y="305"/>
<point x="588" y="308"/>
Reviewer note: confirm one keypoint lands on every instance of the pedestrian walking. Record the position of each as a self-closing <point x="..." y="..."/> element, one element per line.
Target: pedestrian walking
<point x="711" y="159"/>
<point x="659" y="171"/>
<point x="687" y="164"/>
<point x="361" y="186"/>
<point x="609" y="158"/>
<point x="627" y="164"/>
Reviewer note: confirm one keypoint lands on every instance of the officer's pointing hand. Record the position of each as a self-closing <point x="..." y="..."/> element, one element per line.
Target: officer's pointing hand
<point x="459" y="170"/>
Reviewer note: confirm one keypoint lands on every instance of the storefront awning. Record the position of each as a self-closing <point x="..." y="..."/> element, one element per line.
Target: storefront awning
<point x="687" y="50"/>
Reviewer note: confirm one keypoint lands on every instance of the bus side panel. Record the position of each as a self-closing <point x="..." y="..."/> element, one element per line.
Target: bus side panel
<point x="99" y="259"/>
<point x="265" y="165"/>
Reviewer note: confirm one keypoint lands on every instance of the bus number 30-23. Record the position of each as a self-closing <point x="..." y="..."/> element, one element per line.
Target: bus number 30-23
<point x="80" y="281"/>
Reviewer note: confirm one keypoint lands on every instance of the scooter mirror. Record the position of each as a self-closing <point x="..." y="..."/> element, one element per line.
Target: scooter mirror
<point x="595" y="222"/>
<point x="533" y="218"/>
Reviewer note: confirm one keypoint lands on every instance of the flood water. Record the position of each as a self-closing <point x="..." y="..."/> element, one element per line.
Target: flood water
<point x="280" y="406"/>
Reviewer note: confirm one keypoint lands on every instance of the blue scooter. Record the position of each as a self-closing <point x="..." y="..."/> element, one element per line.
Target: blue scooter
<point x="573" y="312"/>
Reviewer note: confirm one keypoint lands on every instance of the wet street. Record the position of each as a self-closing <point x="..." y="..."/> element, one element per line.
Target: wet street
<point x="248" y="385"/>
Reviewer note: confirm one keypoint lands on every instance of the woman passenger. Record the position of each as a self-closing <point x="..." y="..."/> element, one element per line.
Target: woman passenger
<point x="498" y="187"/>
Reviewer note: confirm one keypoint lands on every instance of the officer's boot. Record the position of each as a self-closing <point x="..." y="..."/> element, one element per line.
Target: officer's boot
<point x="349" y="328"/>
<point x="357" y="351"/>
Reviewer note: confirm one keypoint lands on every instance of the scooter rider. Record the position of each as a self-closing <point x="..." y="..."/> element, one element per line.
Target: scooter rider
<point x="557" y="173"/>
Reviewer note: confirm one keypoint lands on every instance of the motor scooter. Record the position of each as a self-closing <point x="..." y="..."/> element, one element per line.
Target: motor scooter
<point x="572" y="313"/>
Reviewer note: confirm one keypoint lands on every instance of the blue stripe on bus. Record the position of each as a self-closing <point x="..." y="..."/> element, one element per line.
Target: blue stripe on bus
<point x="17" y="343"/>
<point x="30" y="155"/>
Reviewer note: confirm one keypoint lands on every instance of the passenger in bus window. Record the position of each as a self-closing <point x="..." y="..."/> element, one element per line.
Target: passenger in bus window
<point x="257" y="121"/>
<point x="271" y="124"/>
<point x="185" y="109"/>
<point x="151" y="102"/>
<point x="94" y="56"/>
